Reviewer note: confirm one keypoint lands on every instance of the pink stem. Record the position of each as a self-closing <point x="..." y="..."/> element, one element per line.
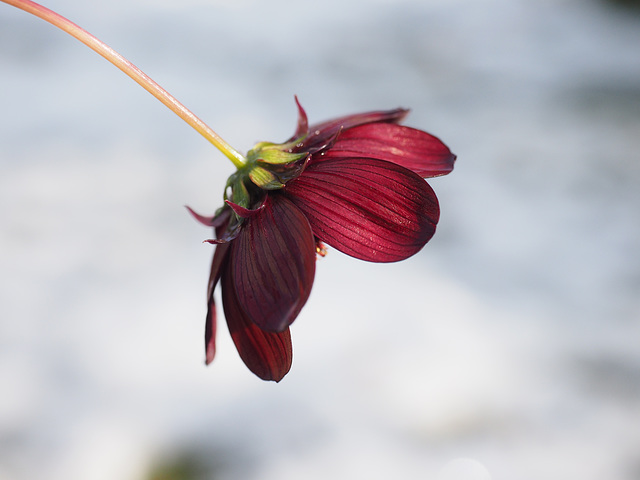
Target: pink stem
<point x="132" y="71"/>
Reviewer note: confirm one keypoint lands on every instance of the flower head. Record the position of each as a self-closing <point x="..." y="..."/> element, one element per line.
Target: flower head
<point x="354" y="183"/>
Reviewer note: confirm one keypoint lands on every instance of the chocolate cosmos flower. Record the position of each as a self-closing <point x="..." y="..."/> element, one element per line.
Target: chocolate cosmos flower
<point x="355" y="183"/>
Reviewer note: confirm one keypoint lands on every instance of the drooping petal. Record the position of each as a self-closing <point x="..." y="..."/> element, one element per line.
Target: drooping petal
<point x="414" y="149"/>
<point x="213" y="221"/>
<point x="266" y="354"/>
<point x="227" y="236"/>
<point x="210" y="328"/>
<point x="367" y="208"/>
<point x="244" y="212"/>
<point x="321" y="133"/>
<point x="273" y="264"/>
<point x="233" y="226"/>
<point x="217" y="265"/>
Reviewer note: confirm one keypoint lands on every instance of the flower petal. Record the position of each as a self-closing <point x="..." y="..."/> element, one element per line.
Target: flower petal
<point x="217" y="266"/>
<point x="210" y="327"/>
<point x="367" y="208"/>
<point x="413" y="149"/>
<point x="266" y="354"/>
<point x="244" y="212"/>
<point x="321" y="133"/>
<point x="273" y="264"/>
<point x="303" y="123"/>
<point x="214" y="221"/>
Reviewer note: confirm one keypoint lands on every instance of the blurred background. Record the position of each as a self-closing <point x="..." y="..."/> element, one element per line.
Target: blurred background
<point x="507" y="349"/>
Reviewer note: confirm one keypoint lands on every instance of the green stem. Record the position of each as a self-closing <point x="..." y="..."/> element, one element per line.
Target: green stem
<point x="132" y="71"/>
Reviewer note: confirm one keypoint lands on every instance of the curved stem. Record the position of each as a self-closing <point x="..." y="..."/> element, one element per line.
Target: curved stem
<point x="132" y="71"/>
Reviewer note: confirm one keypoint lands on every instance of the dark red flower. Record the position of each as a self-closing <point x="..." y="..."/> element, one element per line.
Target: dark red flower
<point x="354" y="183"/>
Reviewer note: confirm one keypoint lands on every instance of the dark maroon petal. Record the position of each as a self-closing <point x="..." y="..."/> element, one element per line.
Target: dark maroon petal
<point x="210" y="328"/>
<point x="227" y="236"/>
<point x="217" y="265"/>
<point x="414" y="149"/>
<point x="244" y="212"/>
<point x="273" y="264"/>
<point x="321" y="133"/>
<point x="367" y="208"/>
<point x="213" y="221"/>
<point x="268" y="355"/>
<point x="303" y="123"/>
<point x="318" y="144"/>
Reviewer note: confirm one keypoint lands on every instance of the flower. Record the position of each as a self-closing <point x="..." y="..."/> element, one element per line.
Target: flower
<point x="354" y="183"/>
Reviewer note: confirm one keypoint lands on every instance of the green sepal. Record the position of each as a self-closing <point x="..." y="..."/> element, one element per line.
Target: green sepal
<point x="239" y="193"/>
<point x="274" y="156"/>
<point x="264" y="179"/>
<point x="275" y="153"/>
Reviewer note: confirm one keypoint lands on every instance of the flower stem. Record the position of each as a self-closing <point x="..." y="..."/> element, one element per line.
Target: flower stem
<point x="132" y="71"/>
